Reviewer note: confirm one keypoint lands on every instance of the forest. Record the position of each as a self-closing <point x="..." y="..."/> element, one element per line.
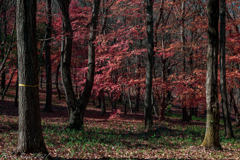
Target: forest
<point x="119" y="79"/>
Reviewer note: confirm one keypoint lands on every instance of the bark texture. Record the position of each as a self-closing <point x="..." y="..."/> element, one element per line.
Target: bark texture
<point x="225" y="107"/>
<point x="30" y="139"/>
<point x="76" y="107"/>
<point x="211" y="139"/>
<point x="48" y="105"/>
<point x="56" y="82"/>
<point x="149" y="66"/>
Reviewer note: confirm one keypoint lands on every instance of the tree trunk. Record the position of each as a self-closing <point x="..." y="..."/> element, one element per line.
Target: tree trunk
<point x="5" y="90"/>
<point x="149" y="66"/>
<point x="56" y="82"/>
<point x="211" y="139"/>
<point x="3" y="81"/>
<point x="103" y="108"/>
<point x="99" y="102"/>
<point x="235" y="108"/>
<point x="195" y="111"/>
<point x="189" y="113"/>
<point x="30" y="138"/>
<point x="154" y="105"/>
<point x="162" y="107"/>
<point x="184" y="108"/>
<point x="41" y="79"/>
<point x="125" y="101"/>
<point x="137" y="99"/>
<point x="2" y="50"/>
<point x="223" y="88"/>
<point x="76" y="107"/>
<point x="48" y="105"/>
<point x="129" y="100"/>
<point x="113" y="102"/>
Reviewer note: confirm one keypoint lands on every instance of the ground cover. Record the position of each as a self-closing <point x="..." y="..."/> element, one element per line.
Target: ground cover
<point x="120" y="136"/>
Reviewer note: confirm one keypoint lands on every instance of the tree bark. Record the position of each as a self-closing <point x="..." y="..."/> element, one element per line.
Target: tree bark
<point x="3" y="81"/>
<point x="129" y="101"/>
<point x="154" y="105"/>
<point x="56" y="82"/>
<point x="149" y="66"/>
<point x="48" y="105"/>
<point x="102" y="98"/>
<point x="5" y="90"/>
<point x="184" y="108"/>
<point x="30" y="138"/>
<point x="232" y="100"/>
<point x="211" y="139"/>
<point x="136" y="109"/>
<point x="76" y="107"/>
<point x="223" y="88"/>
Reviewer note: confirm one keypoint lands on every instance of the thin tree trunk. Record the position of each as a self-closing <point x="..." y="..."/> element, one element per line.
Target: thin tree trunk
<point x="184" y="108"/>
<point x="149" y="66"/>
<point x="223" y="88"/>
<point x="56" y="82"/>
<point x="10" y="80"/>
<point x="129" y="100"/>
<point x="211" y="139"/>
<point x="3" y="81"/>
<point x="30" y="138"/>
<point x="103" y="107"/>
<point x="232" y="100"/>
<point x="163" y="106"/>
<point x="99" y="102"/>
<point x="154" y="105"/>
<point x="125" y="101"/>
<point x="113" y="102"/>
<point x="137" y="99"/>
<point x="48" y="105"/>
<point x="2" y="51"/>
<point x="41" y="80"/>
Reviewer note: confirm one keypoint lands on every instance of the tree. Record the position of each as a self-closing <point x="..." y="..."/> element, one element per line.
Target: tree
<point x="48" y="105"/>
<point x="211" y="139"/>
<point x="30" y="138"/>
<point x="149" y="66"/>
<point x="76" y="108"/>
<point x="184" y="108"/>
<point x="226" y="113"/>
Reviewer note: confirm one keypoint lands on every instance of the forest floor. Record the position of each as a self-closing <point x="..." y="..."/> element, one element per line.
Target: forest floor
<point x="107" y="137"/>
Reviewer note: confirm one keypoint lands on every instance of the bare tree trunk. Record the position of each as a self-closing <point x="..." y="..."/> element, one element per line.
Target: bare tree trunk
<point x="184" y="108"/>
<point x="5" y="90"/>
<point x="3" y="81"/>
<point x="154" y="105"/>
<point x="149" y="66"/>
<point x="48" y="105"/>
<point x="2" y="51"/>
<point x="232" y="100"/>
<point x="76" y="107"/>
<point x="137" y="99"/>
<point x="103" y="107"/>
<point x="56" y="82"/>
<point x="41" y="79"/>
<point x="30" y="138"/>
<point x="226" y="113"/>
<point x="124" y="101"/>
<point x="211" y="139"/>
<point x="129" y="100"/>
